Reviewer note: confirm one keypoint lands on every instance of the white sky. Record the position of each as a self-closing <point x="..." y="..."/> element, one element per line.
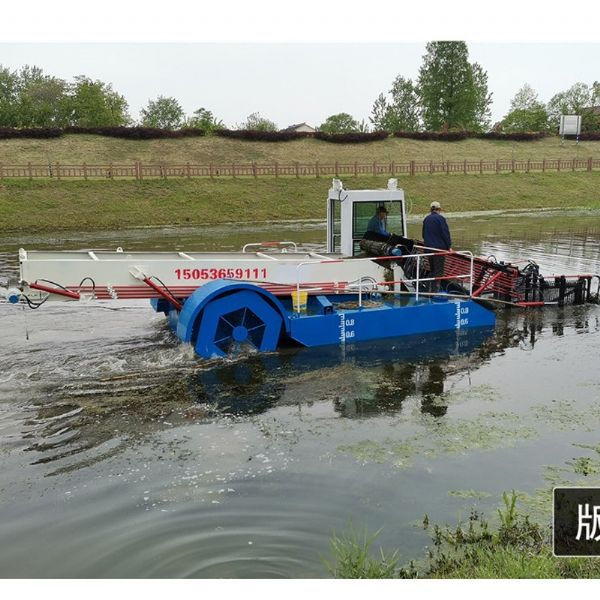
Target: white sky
<point x="286" y="67"/>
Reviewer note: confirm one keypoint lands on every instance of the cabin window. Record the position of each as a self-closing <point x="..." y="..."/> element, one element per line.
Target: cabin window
<point x="364" y="211"/>
<point x="335" y="243"/>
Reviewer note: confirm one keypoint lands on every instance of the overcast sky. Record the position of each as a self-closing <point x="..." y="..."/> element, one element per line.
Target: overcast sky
<point x="295" y="77"/>
<point x="294" y="83"/>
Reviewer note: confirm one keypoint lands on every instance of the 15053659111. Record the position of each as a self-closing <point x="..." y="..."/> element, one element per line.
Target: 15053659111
<point x="207" y="273"/>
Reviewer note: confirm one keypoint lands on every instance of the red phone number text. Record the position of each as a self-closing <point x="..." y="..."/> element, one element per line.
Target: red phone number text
<point x="222" y="273"/>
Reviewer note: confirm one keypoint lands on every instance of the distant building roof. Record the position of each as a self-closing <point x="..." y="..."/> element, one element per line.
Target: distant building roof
<point x="300" y="127"/>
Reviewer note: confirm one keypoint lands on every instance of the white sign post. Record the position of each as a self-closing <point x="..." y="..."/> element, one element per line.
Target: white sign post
<point x="569" y="125"/>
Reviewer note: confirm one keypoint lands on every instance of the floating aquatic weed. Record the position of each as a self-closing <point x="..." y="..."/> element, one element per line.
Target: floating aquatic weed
<point x="584" y="465"/>
<point x="440" y="438"/>
<point x="564" y="415"/>
<point x="589" y="447"/>
<point x="367" y="451"/>
<point x="478" y="495"/>
<point x="481" y="433"/>
<point x="483" y="392"/>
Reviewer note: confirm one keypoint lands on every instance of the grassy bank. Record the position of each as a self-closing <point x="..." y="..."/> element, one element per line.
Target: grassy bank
<point x="94" y="149"/>
<point x="79" y="205"/>
<point x="518" y="548"/>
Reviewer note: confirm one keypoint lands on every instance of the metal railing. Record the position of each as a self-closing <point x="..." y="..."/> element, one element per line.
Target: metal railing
<point x="139" y="171"/>
<point x="282" y="245"/>
<point x="367" y="283"/>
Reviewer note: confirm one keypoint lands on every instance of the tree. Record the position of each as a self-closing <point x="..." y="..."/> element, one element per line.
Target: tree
<point x="43" y="100"/>
<point x="483" y="98"/>
<point x="340" y="123"/>
<point x="96" y="104"/>
<point x="162" y="113"/>
<point x="9" y="96"/>
<point x="379" y="113"/>
<point x="453" y="92"/>
<point x="402" y="112"/>
<point x="526" y="113"/>
<point x="579" y="99"/>
<point x="257" y="123"/>
<point x="205" y="120"/>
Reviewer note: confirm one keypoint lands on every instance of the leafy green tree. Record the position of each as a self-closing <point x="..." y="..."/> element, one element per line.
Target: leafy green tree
<point x="256" y="122"/>
<point x="163" y="113"/>
<point x="526" y="113"/>
<point x="453" y="92"/>
<point x="9" y="98"/>
<point x="401" y="113"/>
<point x="579" y="99"/>
<point x="96" y="104"/>
<point x="483" y="98"/>
<point x="340" y="123"/>
<point x="43" y="100"/>
<point x="379" y="113"/>
<point x="205" y="120"/>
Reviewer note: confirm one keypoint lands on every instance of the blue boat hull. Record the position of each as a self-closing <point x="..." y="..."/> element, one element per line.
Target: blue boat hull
<point x="223" y="316"/>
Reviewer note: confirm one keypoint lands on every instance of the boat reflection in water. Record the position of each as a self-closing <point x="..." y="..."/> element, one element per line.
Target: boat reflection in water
<point x="385" y="372"/>
<point x="71" y="421"/>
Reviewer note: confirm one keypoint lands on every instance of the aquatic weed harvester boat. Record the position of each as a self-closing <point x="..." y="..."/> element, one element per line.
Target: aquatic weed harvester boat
<point x="365" y="287"/>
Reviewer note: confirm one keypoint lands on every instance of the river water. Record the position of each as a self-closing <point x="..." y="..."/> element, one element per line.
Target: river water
<point x="124" y="455"/>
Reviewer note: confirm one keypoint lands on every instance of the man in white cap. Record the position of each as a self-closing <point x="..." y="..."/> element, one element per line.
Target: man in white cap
<point x="436" y="235"/>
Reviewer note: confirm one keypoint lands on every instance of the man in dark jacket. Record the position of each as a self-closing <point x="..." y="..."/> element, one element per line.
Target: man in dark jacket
<point x="436" y="235"/>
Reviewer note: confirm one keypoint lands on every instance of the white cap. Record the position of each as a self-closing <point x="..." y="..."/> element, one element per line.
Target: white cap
<point x="436" y="205"/>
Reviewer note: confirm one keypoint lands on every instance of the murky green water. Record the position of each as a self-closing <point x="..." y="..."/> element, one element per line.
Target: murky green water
<point x="124" y="455"/>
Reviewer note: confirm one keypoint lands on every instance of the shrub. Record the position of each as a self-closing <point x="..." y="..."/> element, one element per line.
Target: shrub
<point x="136" y="133"/>
<point x="351" y="138"/>
<point x="438" y="136"/>
<point x="457" y="136"/>
<point x="256" y="135"/>
<point x="590" y="136"/>
<point x="7" y="133"/>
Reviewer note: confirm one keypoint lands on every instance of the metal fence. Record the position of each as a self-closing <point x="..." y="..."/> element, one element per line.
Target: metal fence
<point x="139" y="171"/>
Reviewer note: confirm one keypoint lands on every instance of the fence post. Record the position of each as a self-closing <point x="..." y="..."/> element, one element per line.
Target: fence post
<point x="276" y="169"/>
<point x="85" y="171"/>
<point x="29" y="171"/>
<point x="355" y="168"/>
<point x="187" y="170"/>
<point x="58" y="171"/>
<point x="140" y="170"/>
<point x="431" y="167"/>
<point x="481" y="166"/>
<point x="374" y="168"/>
<point x="254" y="169"/>
<point x="512" y="165"/>
<point x="589" y="166"/>
<point x="558" y="168"/>
<point x="447" y="167"/>
<point x="465" y="166"/>
<point x="528" y="164"/>
<point x="543" y="165"/>
<point x="210" y="170"/>
<point x="337" y="170"/>
<point x="317" y="168"/>
<point x="412" y="168"/>
<point x="393" y="169"/>
<point x="297" y="170"/>
<point x="573" y="164"/>
<point x="497" y="165"/>
<point x="1" y="171"/>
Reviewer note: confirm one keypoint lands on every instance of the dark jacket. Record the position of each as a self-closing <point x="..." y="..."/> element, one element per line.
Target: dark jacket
<point x="435" y="232"/>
